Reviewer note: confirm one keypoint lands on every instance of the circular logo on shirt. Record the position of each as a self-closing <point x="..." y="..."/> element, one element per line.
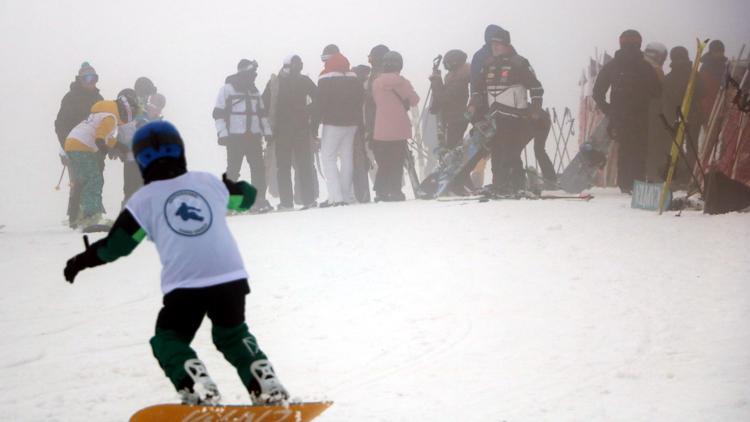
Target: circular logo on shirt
<point x="188" y="213"/>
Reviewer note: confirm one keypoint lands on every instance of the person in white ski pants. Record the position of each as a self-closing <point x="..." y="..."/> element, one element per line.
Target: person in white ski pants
<point x="340" y="97"/>
<point x="336" y="144"/>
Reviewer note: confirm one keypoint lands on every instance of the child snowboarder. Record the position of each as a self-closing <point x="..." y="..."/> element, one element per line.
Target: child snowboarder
<point x="184" y="214"/>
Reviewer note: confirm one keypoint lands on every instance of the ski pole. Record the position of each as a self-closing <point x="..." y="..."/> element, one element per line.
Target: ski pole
<point x="62" y="173"/>
<point x="673" y="132"/>
<point x="86" y="241"/>
<point x="692" y="147"/>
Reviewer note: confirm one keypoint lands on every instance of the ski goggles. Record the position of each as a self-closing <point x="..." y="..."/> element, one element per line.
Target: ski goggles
<point x="90" y="78"/>
<point x="148" y="155"/>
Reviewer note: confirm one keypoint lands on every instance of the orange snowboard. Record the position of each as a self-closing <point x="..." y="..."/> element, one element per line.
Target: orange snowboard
<point x="295" y="412"/>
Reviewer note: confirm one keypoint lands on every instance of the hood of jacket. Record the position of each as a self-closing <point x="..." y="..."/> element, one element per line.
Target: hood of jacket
<point x="336" y="63"/>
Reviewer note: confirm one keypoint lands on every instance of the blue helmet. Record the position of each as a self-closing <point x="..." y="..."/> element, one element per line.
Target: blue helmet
<point x="157" y="147"/>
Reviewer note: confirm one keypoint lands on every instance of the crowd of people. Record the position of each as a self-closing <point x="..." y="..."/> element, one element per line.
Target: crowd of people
<point x="354" y="123"/>
<point x="640" y="93"/>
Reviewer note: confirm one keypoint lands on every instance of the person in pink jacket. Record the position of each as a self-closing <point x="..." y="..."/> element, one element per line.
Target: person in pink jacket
<point x="393" y="95"/>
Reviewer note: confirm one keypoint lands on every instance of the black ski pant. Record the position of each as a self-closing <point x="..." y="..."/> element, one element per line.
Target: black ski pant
<point x="295" y="147"/>
<point x="247" y="147"/>
<point x="507" y="168"/>
<point x="131" y="180"/>
<point x="454" y="131"/>
<point x="541" y="128"/>
<point x="361" y="168"/>
<point x="631" y="135"/>
<point x="182" y="315"/>
<point x="390" y="156"/>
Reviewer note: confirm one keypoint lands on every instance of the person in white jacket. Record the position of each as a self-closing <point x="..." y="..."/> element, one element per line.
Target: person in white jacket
<point x="241" y="123"/>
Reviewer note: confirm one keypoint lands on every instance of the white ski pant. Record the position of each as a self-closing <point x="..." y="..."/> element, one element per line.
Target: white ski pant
<point x="336" y="144"/>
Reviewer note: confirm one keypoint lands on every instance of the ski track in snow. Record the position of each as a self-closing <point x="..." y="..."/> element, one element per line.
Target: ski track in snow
<point x="454" y="311"/>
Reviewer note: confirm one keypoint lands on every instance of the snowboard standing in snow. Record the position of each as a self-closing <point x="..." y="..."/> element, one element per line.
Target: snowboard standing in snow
<point x="184" y="214"/>
<point x="455" y="164"/>
<point x="295" y="412"/>
<point x="592" y="156"/>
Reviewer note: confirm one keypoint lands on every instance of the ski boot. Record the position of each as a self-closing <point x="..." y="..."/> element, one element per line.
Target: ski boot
<point x="266" y="389"/>
<point x="203" y="390"/>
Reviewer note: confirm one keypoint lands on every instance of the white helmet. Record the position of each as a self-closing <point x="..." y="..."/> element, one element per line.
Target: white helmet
<point x="656" y="52"/>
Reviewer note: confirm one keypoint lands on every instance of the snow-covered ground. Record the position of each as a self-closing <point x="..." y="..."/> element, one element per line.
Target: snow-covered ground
<point x="502" y="311"/>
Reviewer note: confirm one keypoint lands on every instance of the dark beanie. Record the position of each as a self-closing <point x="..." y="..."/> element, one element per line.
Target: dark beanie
<point x="631" y="38"/>
<point x="679" y="54"/>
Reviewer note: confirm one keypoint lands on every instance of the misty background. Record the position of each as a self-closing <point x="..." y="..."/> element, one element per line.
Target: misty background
<point x="188" y="48"/>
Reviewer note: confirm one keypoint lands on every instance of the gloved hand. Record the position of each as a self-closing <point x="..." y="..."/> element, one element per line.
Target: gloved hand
<point x="101" y="144"/>
<point x="223" y="140"/>
<point x="73" y="267"/>
<point x="316" y="144"/>
<point x="64" y="159"/>
<point x="436" y="76"/>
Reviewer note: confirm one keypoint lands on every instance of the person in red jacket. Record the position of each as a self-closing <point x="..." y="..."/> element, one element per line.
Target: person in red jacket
<point x="340" y="97"/>
<point x="394" y="96"/>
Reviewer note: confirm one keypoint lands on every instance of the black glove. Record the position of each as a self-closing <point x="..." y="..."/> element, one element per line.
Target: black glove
<point x="73" y="267"/>
<point x="83" y="260"/>
<point x="223" y="141"/>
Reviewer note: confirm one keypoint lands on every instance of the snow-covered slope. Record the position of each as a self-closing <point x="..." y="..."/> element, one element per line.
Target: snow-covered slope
<point x="504" y="311"/>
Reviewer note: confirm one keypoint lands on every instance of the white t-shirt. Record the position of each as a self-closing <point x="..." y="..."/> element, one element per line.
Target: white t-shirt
<point x="186" y="218"/>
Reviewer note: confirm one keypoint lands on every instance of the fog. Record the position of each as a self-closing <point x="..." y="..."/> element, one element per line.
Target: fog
<point x="188" y="47"/>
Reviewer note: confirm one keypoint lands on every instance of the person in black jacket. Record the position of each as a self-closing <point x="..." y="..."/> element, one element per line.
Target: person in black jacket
<point x="632" y="83"/>
<point x="75" y="107"/>
<point x="291" y="97"/>
<point x="340" y="101"/>
<point x="503" y="86"/>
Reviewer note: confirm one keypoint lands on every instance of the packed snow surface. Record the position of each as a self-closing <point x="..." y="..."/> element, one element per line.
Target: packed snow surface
<point x="450" y="311"/>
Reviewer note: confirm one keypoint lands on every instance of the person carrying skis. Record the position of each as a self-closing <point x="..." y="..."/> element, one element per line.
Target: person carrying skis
<point x="75" y="107"/>
<point x="450" y="97"/>
<point x="501" y="84"/>
<point x="632" y="82"/>
<point x="290" y="98"/>
<point x="340" y="100"/>
<point x="241" y="123"/>
<point x="184" y="214"/>
<point x="86" y="147"/>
